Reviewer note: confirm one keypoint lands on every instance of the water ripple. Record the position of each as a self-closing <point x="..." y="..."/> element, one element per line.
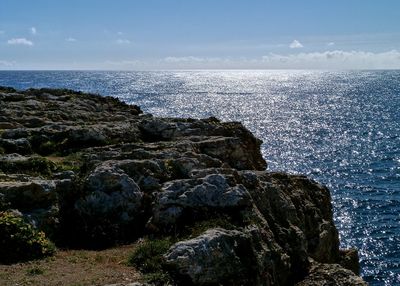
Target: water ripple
<point x="341" y="128"/>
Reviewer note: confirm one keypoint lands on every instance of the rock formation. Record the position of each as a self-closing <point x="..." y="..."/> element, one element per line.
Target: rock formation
<point x="92" y="171"/>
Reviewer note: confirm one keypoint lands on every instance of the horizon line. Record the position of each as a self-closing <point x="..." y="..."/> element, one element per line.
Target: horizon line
<point x="208" y="69"/>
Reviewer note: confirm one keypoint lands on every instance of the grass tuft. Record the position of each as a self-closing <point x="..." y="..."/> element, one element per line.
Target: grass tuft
<point x="148" y="258"/>
<point x="35" y="271"/>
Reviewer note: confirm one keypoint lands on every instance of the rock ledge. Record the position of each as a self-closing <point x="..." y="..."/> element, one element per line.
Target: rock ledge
<point x="92" y="171"/>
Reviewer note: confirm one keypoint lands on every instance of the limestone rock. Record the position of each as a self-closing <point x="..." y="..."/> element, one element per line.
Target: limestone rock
<point x="27" y="196"/>
<point x="112" y="202"/>
<point x="332" y="275"/>
<point x="350" y="260"/>
<point x="94" y="170"/>
<point x="217" y="257"/>
<point x="299" y="211"/>
<point x="21" y="146"/>
<point x="211" y="192"/>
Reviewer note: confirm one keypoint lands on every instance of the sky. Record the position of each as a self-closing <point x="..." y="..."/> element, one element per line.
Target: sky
<point x="199" y="34"/>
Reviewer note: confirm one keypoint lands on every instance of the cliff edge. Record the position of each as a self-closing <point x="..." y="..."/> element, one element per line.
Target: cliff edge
<point x="91" y="172"/>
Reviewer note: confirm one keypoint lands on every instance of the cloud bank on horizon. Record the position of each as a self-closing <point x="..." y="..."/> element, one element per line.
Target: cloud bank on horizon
<point x="296" y="45"/>
<point x="175" y="34"/>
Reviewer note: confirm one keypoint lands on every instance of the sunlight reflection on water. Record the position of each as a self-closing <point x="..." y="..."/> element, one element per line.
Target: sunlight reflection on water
<point x="340" y="128"/>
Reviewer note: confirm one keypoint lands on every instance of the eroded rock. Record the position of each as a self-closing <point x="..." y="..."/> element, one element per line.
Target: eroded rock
<point x="211" y="192"/>
<point x="331" y="274"/>
<point x="217" y="257"/>
<point x="110" y="169"/>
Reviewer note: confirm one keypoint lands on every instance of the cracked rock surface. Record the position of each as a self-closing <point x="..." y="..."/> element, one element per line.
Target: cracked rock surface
<point x="91" y="171"/>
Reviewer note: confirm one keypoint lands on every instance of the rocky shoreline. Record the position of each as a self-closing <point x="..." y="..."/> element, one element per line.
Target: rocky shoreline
<point x="92" y="172"/>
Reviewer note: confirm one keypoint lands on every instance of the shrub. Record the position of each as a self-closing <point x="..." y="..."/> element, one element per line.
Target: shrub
<point x="35" y="271"/>
<point x="47" y="147"/>
<point x="20" y="241"/>
<point x="148" y="258"/>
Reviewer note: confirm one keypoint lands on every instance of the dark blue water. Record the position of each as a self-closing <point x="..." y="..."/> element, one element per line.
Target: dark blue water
<point x="341" y="128"/>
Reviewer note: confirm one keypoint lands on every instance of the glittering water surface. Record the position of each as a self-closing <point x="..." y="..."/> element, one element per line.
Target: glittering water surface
<point x="340" y="128"/>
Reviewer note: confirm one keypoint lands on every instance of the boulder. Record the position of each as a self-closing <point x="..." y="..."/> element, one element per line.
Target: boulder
<point x="28" y="196"/>
<point x="21" y="146"/>
<point x="217" y="257"/>
<point x="299" y="213"/>
<point x="332" y="275"/>
<point x="111" y="208"/>
<point x="213" y="192"/>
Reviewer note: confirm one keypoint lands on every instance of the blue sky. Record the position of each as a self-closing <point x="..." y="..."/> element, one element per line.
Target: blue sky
<point x="209" y="34"/>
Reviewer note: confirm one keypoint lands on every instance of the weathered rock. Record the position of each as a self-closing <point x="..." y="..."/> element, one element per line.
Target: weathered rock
<point x="45" y="219"/>
<point x="27" y="196"/>
<point x="211" y="192"/>
<point x="332" y="275"/>
<point x="110" y="169"/>
<point x="217" y="257"/>
<point x="15" y="133"/>
<point x="350" y="260"/>
<point x="299" y="214"/>
<point x="229" y="257"/>
<point x="159" y="129"/>
<point x="84" y="137"/>
<point x="21" y="146"/>
<point x="112" y="203"/>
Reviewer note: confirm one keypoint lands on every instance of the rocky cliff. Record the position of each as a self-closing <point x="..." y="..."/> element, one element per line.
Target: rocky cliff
<point x="92" y="171"/>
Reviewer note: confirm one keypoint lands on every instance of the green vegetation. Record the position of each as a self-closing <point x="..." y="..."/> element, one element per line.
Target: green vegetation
<point x="200" y="227"/>
<point x="35" y="271"/>
<point x="32" y="165"/>
<point x="172" y="168"/>
<point x="72" y="162"/>
<point x="47" y="147"/>
<point x="158" y="278"/>
<point x="148" y="258"/>
<point x="20" y="241"/>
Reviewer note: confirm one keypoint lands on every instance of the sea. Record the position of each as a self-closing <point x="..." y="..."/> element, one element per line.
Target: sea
<point x="341" y="128"/>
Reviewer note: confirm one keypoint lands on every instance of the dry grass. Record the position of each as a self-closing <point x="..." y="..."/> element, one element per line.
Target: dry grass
<point x="73" y="268"/>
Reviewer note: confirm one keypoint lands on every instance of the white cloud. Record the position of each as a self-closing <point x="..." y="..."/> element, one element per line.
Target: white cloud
<point x="189" y="62"/>
<point x="336" y="59"/>
<point x="295" y="45"/>
<point x="6" y="63"/>
<point x="120" y="33"/>
<point x="70" y="39"/>
<point x="20" y="41"/>
<point x="330" y="59"/>
<point x="123" y="41"/>
<point x="188" y="59"/>
<point x="330" y="44"/>
<point x="33" y="31"/>
<point x="125" y="63"/>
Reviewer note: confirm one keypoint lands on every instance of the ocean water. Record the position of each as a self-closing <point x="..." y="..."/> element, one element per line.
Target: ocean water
<point x="340" y="128"/>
